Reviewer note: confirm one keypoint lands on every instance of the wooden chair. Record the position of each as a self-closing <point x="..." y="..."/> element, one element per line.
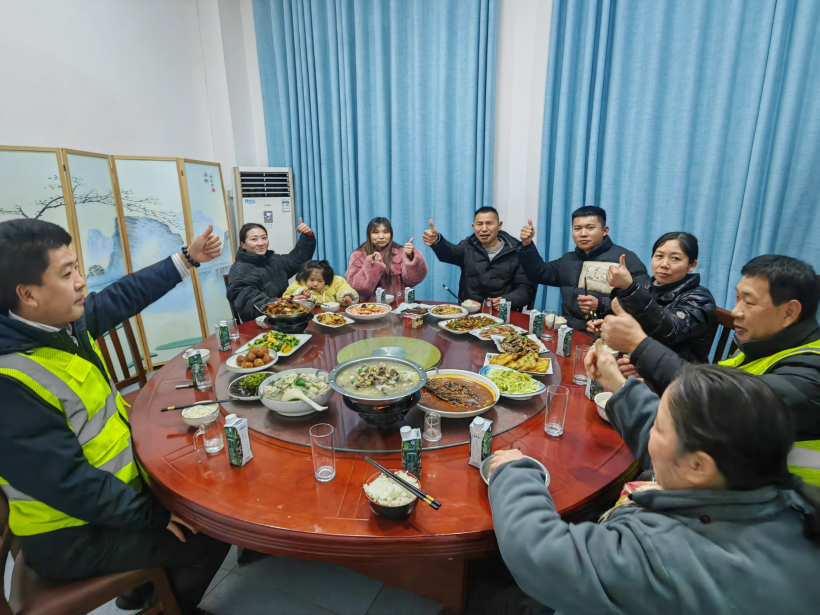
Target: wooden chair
<point x="233" y="310"/>
<point x="31" y="596"/>
<point x="726" y="322"/>
<point x="128" y="379"/>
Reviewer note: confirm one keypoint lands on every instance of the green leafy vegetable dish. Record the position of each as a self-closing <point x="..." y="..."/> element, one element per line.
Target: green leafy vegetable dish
<point x="512" y="382"/>
<point x="247" y="386"/>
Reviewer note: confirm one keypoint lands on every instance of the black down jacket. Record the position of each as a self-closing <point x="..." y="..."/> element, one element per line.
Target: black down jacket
<point x="482" y="278"/>
<point x="682" y="316"/>
<point x="257" y="279"/>
<point x="566" y="271"/>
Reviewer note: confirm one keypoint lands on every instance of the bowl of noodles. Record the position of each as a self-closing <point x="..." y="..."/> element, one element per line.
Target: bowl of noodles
<point x="513" y="384"/>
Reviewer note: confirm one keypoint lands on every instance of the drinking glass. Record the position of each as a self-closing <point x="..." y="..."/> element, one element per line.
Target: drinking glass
<point x="556" y="414"/>
<point x="432" y="427"/>
<point x="211" y="437"/>
<point x="579" y="374"/>
<point x="487" y="307"/>
<point x="233" y="329"/>
<point x="549" y="325"/>
<point x="324" y="453"/>
<point x="202" y="377"/>
<point x="399" y="295"/>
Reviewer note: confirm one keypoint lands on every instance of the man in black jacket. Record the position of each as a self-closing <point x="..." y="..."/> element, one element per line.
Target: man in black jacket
<point x="490" y="267"/>
<point x="583" y="286"/>
<point x="775" y="327"/>
<point x="76" y="499"/>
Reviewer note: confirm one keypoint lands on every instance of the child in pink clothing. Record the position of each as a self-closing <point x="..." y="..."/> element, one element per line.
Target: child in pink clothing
<point x="381" y="262"/>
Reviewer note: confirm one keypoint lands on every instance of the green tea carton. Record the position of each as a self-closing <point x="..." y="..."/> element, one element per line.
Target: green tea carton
<point x="481" y="441"/>
<point x="593" y="388"/>
<point x="238" y="440"/>
<point x="563" y="347"/>
<point x="411" y="450"/>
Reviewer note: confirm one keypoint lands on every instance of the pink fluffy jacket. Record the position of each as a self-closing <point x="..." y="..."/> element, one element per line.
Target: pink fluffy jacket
<point x="365" y="277"/>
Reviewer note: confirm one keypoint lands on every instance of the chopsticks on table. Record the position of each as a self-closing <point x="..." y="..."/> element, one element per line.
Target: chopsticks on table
<point x="417" y="492"/>
<point x="198" y="403"/>
<point x="449" y="291"/>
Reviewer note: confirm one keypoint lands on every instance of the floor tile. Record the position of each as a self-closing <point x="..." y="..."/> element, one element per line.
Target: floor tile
<point x="230" y="559"/>
<point x="394" y="601"/>
<point x="325" y="585"/>
<point x="220" y="574"/>
<point x="238" y="595"/>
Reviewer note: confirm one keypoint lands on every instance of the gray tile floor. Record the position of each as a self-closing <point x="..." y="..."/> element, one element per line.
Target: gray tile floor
<point x="287" y="586"/>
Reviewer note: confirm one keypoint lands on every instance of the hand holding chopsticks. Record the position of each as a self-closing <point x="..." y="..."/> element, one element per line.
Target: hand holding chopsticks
<point x="416" y="492"/>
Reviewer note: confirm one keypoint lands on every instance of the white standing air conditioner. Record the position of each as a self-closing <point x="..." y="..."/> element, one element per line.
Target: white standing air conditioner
<point x="265" y="196"/>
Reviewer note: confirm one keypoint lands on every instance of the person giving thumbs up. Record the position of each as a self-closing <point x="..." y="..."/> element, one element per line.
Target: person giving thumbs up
<point x="430" y="236"/>
<point x="618" y="276"/>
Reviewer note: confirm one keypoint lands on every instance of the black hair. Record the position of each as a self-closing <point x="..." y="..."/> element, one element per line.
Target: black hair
<point x="310" y="266"/>
<point x="788" y="279"/>
<point x="24" y="255"/>
<point x="487" y="210"/>
<point x="590" y="210"/>
<point x="370" y="247"/>
<point x="688" y="243"/>
<point x="739" y="421"/>
<point x="243" y="232"/>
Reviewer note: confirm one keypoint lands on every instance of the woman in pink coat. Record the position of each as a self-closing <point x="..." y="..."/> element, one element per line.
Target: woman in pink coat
<point x="381" y="262"/>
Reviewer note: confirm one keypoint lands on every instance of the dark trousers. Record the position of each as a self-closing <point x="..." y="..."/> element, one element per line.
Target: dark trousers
<point x="493" y="591"/>
<point x="77" y="553"/>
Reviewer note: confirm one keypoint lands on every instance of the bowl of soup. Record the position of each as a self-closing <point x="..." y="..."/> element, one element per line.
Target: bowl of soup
<point x="456" y="393"/>
<point x="377" y="381"/>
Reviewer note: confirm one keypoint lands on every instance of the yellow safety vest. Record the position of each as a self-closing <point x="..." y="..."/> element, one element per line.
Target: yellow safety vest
<point x="94" y="411"/>
<point x="804" y="458"/>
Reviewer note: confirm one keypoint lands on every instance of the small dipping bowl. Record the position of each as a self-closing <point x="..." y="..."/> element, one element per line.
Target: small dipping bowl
<point x="331" y="306"/>
<point x="389" y="298"/>
<point x="600" y="401"/>
<point x="394" y="513"/>
<point x="198" y="422"/>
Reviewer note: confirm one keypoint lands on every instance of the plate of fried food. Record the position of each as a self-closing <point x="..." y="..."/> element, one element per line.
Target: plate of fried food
<point x="465" y="324"/>
<point x="486" y="333"/>
<point x="249" y="360"/>
<point x="448" y="310"/>
<point x="528" y="362"/>
<point x="368" y="311"/>
<point x="332" y="320"/>
<point x="519" y="342"/>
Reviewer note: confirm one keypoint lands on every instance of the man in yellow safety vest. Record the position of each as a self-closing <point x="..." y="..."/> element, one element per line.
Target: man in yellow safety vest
<point x="776" y="329"/>
<point x="67" y="466"/>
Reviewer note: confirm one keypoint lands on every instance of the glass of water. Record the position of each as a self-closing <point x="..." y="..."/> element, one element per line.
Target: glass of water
<point x="579" y="374"/>
<point x="202" y="377"/>
<point x="211" y="437"/>
<point x="432" y="426"/>
<point x="324" y="453"/>
<point x="556" y="414"/>
<point x="233" y="329"/>
<point x="487" y="307"/>
<point x="549" y="325"/>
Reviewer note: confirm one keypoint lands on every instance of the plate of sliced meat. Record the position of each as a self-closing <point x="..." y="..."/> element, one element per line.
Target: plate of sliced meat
<point x="457" y="394"/>
<point x="487" y="333"/>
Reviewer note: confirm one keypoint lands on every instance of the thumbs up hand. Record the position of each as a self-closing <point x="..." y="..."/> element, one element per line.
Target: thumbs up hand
<point x="206" y="247"/>
<point x="621" y="331"/>
<point x="408" y="249"/>
<point x="527" y="233"/>
<point x="619" y="276"/>
<point x="303" y="228"/>
<point x="430" y="236"/>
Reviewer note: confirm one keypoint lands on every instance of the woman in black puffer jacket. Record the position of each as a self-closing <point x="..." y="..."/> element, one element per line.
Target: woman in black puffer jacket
<point x="673" y="307"/>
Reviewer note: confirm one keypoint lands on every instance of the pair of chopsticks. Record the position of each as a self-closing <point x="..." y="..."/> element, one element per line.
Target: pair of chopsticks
<point x="199" y="403"/>
<point x="593" y="314"/>
<point x="416" y="492"/>
<point x="451" y="292"/>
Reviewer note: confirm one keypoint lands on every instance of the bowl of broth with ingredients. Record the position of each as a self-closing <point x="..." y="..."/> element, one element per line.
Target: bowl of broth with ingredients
<point x="377" y="382"/>
<point x="455" y="393"/>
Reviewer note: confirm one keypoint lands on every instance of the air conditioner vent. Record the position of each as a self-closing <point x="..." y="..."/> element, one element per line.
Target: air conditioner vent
<point x="264" y="183"/>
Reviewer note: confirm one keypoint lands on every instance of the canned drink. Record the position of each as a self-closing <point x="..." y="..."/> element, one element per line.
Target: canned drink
<point x="223" y="335"/>
<point x="194" y="359"/>
<point x="410" y="294"/>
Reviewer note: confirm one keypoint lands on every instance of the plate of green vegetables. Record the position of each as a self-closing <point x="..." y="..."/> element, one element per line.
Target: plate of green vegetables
<point x="513" y="384"/>
<point x="246" y="388"/>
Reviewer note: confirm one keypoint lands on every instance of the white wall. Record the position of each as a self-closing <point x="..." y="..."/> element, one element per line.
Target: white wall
<point x="523" y="46"/>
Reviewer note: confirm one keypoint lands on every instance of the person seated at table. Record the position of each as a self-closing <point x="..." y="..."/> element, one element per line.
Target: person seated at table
<point x="381" y="262"/>
<point x="260" y="275"/>
<point x="779" y="339"/>
<point x="77" y="503"/>
<point x="316" y="281"/>
<point x="723" y="526"/>
<point x="582" y="292"/>
<point x="490" y="266"/>
<point x="672" y="307"/>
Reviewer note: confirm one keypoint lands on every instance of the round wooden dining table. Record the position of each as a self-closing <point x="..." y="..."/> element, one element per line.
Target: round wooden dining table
<point x="273" y="504"/>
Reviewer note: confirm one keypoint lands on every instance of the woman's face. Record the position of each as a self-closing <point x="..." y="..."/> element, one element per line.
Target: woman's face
<point x="670" y="263"/>
<point x="256" y="241"/>
<point x="380" y="236"/>
<point x="315" y="282"/>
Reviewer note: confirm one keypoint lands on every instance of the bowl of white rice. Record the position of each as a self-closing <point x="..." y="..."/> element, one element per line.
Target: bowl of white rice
<point x="196" y="416"/>
<point x="388" y="499"/>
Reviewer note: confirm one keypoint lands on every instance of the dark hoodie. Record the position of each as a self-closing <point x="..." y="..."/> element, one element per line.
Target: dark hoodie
<point x="39" y="454"/>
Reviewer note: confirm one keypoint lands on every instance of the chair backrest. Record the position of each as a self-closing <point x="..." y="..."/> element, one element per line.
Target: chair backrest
<point x="726" y="322"/>
<point x="233" y="310"/>
<point x="128" y="379"/>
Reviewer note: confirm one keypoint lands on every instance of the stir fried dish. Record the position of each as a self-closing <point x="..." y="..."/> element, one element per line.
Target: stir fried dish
<point x="522" y="362"/>
<point x="255" y="357"/>
<point x="382" y="379"/>
<point x="488" y="332"/>
<point x="334" y="320"/>
<point x="519" y="342"/>
<point x="367" y="309"/>
<point x="248" y="386"/>
<point x="445" y="310"/>
<point x="284" y="306"/>
<point x="468" y="323"/>
<point x="280" y="342"/>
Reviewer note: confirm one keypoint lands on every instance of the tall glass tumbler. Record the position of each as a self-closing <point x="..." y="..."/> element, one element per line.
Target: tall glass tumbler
<point x="556" y="414"/>
<point x="324" y="453"/>
<point x="549" y="325"/>
<point x="233" y="329"/>
<point x="487" y="307"/>
<point x="579" y="373"/>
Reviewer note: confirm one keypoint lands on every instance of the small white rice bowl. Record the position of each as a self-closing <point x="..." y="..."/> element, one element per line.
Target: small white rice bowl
<point x="600" y="403"/>
<point x="330" y="306"/>
<point x="195" y="416"/>
<point x="387" y="492"/>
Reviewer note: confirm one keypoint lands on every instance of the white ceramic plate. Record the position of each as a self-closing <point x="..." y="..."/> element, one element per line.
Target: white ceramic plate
<point x="367" y="316"/>
<point x="302" y="337"/>
<point x="475" y="332"/>
<point x="490" y="355"/>
<point x="231" y="365"/>
<point x="500" y="338"/>
<point x="462" y="312"/>
<point x="432" y="374"/>
<point x="442" y="324"/>
<point x="404" y="306"/>
<point x="518" y="396"/>
<point x="348" y="321"/>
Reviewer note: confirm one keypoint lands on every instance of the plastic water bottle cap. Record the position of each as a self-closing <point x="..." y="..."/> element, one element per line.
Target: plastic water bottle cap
<point x="230" y="419"/>
<point x="405" y="429"/>
<point x="478" y="421"/>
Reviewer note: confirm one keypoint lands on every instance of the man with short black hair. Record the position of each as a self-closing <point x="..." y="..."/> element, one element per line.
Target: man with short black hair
<point x="581" y="274"/>
<point x="77" y="503"/>
<point x="490" y="267"/>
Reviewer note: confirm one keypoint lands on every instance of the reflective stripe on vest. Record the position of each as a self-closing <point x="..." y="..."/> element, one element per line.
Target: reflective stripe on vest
<point x="94" y="411"/>
<point x="804" y="458"/>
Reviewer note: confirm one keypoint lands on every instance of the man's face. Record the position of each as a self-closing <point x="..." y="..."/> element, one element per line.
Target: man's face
<point x="588" y="232"/>
<point x="756" y="315"/>
<point x="59" y="298"/>
<point x="486" y="227"/>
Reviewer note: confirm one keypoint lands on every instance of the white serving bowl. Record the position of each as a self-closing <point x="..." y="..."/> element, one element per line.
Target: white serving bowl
<point x="196" y="423"/>
<point x="600" y="401"/>
<point x="204" y="353"/>
<point x="389" y="298"/>
<point x="471" y="309"/>
<point x="462" y="312"/>
<point x="331" y="306"/>
<point x="367" y="316"/>
<point x="299" y="407"/>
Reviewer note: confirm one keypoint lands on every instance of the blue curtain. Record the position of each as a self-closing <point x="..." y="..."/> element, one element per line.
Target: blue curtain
<point x="696" y="116"/>
<point x="382" y="109"/>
